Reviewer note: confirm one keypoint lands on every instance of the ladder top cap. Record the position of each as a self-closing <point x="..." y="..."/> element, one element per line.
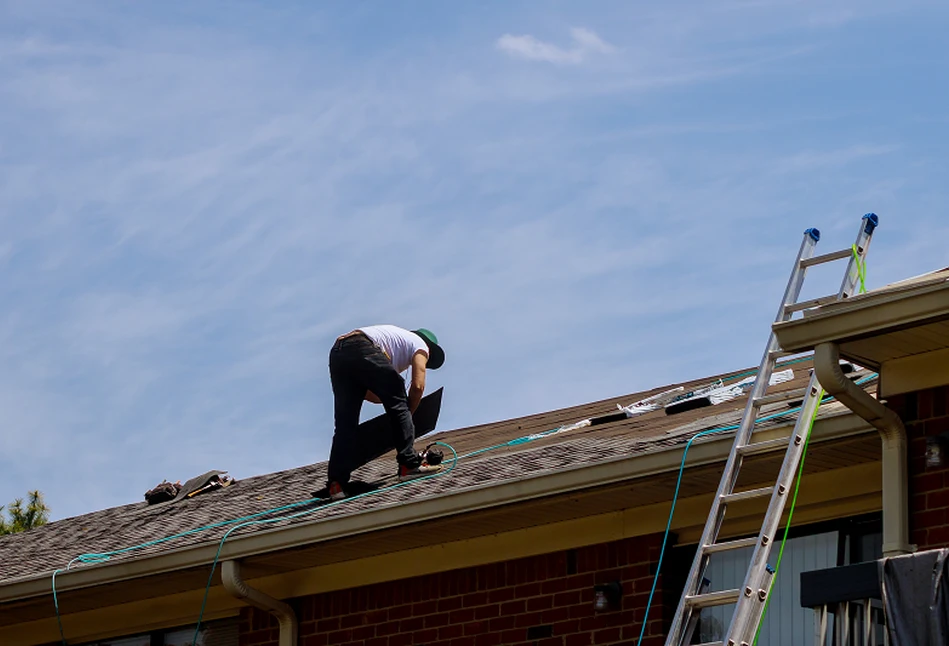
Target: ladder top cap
<point x="813" y="233"/>
<point x="873" y="221"/>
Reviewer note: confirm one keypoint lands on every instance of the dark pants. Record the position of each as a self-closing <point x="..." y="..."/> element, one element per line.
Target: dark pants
<point x="357" y="366"/>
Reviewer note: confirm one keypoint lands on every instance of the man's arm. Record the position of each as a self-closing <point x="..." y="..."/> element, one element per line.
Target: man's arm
<point x="417" y="387"/>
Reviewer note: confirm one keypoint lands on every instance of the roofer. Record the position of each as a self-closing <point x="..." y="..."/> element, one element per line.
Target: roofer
<point x="365" y="364"/>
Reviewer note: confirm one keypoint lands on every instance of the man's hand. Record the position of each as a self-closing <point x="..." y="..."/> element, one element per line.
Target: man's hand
<point x="417" y="387"/>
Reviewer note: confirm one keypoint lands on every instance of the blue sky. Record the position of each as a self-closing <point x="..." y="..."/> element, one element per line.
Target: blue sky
<point x="582" y="200"/>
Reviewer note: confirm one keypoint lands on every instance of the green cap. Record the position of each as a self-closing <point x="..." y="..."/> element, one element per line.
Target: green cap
<point x="436" y="356"/>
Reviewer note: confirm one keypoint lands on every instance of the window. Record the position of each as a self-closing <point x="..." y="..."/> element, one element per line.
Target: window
<point x="213" y="633"/>
<point x="812" y="547"/>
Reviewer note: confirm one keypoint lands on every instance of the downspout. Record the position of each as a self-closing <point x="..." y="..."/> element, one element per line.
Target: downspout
<point x="893" y="434"/>
<point x="234" y="584"/>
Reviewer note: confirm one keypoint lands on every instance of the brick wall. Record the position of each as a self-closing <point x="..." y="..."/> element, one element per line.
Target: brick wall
<point x="542" y="600"/>
<point x="925" y="414"/>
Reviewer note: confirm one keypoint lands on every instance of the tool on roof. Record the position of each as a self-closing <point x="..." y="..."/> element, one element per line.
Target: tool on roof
<point x="751" y="598"/>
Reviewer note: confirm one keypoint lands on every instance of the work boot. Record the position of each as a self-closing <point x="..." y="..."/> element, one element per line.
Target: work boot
<point x="421" y="470"/>
<point x="336" y="491"/>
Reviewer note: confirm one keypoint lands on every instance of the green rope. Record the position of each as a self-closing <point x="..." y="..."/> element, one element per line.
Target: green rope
<point x="861" y="269"/>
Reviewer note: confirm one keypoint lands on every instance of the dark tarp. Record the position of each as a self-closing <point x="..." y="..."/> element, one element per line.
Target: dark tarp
<point x="916" y="597"/>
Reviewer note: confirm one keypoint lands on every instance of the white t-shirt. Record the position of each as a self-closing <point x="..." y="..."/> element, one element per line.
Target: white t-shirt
<point x="398" y="344"/>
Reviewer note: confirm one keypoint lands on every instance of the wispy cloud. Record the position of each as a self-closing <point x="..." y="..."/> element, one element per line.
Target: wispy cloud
<point x="586" y="43"/>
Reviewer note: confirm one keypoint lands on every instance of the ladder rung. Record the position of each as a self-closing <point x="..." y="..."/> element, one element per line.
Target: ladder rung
<point x="756" y="448"/>
<point x="711" y="644"/>
<point x="814" y="302"/>
<point x="778" y="354"/>
<point x="751" y="541"/>
<point x="786" y="395"/>
<point x="827" y="257"/>
<point x="709" y="599"/>
<point x="747" y="495"/>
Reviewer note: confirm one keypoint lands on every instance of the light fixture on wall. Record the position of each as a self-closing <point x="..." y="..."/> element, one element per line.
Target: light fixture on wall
<point x="937" y="451"/>
<point x="607" y="596"/>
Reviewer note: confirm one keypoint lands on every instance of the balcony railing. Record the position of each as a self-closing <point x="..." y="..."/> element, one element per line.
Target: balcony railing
<point x="847" y="605"/>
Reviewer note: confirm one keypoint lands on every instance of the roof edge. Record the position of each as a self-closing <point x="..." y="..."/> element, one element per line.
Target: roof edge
<point x="710" y="450"/>
<point x="870" y="315"/>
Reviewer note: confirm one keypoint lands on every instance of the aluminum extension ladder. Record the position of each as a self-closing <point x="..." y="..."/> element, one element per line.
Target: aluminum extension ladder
<point x="750" y="599"/>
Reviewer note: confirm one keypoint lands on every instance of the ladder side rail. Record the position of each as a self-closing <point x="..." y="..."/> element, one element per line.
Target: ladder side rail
<point x="750" y="606"/>
<point x="730" y="472"/>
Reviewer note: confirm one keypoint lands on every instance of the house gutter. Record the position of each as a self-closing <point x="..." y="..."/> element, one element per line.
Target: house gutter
<point x="893" y="434"/>
<point x="236" y="587"/>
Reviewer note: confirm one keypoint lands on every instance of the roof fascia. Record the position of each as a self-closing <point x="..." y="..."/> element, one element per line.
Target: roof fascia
<point x="865" y="316"/>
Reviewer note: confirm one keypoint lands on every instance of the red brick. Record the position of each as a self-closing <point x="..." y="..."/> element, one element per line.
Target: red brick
<point x="488" y="612"/>
<point x="927" y="482"/>
<point x="527" y="590"/>
<point x="351" y="621"/>
<point x="567" y="598"/>
<point x="488" y="639"/>
<point x="580" y="581"/>
<point x="436" y="621"/>
<point x="513" y="636"/>
<point x="928" y="519"/>
<point x="567" y="627"/>
<point x="580" y="611"/>
<point x="936" y="537"/>
<point x="450" y="632"/>
<point x="940" y="401"/>
<point x="501" y="623"/>
<point x="388" y="628"/>
<point x="582" y="639"/>
<point x="636" y="571"/>
<point x="340" y="636"/>
<point x="554" y="615"/>
<point x="461" y="616"/>
<point x="527" y="620"/>
<point x="554" y="586"/>
<point x="411" y="625"/>
<point x="606" y="636"/>
<point x="363" y="633"/>
<point x="924" y="404"/>
<point x="452" y="603"/>
<point x="513" y="608"/>
<point x="476" y="627"/>
<point x="938" y="499"/>
<point x="426" y="636"/>
<point x="937" y="426"/>
<point x="424" y="608"/>
<point x="402" y="639"/>
<point x="501" y="594"/>
<point x="475" y="599"/>
<point x="327" y="625"/>
<point x="540" y="603"/>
